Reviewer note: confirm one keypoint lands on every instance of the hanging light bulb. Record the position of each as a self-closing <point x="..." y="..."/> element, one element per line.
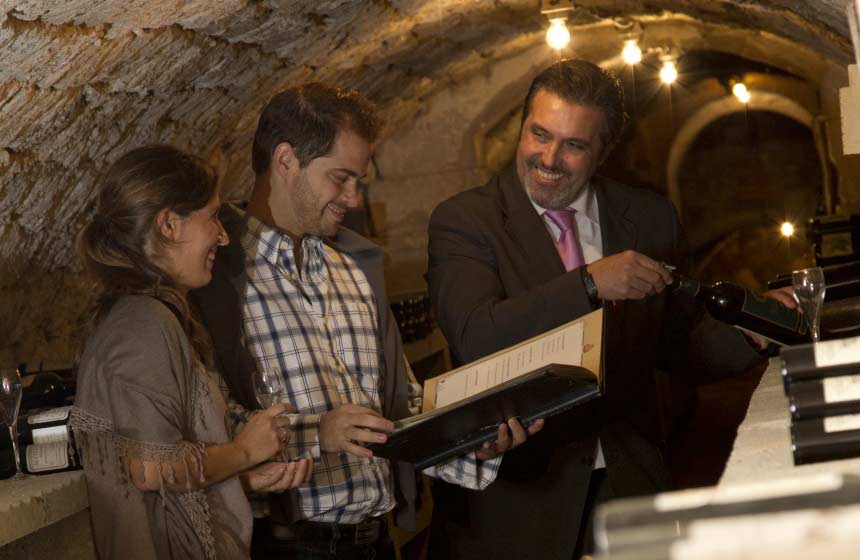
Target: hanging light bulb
<point x="668" y="73"/>
<point x="786" y="229"/>
<point x="557" y="36"/>
<point x="631" y="54"/>
<point x="742" y="93"/>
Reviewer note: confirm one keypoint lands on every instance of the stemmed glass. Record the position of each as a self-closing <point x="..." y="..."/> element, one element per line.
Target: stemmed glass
<point x="808" y="285"/>
<point x="10" y="402"/>
<point x="269" y="386"/>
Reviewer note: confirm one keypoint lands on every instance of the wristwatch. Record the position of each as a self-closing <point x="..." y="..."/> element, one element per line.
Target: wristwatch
<point x="590" y="287"/>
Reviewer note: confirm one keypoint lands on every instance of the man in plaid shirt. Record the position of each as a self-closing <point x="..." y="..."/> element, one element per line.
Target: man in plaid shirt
<point x="297" y="295"/>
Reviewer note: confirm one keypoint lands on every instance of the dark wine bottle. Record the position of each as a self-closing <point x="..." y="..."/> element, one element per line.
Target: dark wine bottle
<point x="819" y="398"/>
<point x="44" y="426"/>
<point x="825" y="439"/>
<point x="749" y="311"/>
<point x="41" y="458"/>
<point x="48" y="389"/>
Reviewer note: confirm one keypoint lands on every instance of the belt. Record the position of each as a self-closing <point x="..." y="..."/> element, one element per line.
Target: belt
<point x="366" y="532"/>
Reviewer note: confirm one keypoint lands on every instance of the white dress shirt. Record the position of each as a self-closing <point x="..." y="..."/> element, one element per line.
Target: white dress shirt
<point x="588" y="237"/>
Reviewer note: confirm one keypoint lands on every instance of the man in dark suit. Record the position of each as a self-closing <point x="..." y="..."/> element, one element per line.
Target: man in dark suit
<point x="541" y="244"/>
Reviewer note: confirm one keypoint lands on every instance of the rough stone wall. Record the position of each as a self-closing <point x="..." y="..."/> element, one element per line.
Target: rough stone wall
<point x="83" y="81"/>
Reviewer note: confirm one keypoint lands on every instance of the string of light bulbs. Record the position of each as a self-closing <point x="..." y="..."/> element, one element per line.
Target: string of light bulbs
<point x="558" y="37"/>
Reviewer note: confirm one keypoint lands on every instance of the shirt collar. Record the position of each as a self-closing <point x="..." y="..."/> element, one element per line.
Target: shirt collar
<point x="585" y="204"/>
<point x="274" y="245"/>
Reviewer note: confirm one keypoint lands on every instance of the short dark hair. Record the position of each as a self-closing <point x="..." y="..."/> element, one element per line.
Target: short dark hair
<point x="308" y="117"/>
<point x="584" y="83"/>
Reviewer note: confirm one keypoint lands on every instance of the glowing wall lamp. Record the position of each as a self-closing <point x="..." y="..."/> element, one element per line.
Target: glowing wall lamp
<point x="630" y="31"/>
<point x="668" y="72"/>
<point x="631" y="54"/>
<point x="557" y="36"/>
<point x="742" y="93"/>
<point x="557" y="12"/>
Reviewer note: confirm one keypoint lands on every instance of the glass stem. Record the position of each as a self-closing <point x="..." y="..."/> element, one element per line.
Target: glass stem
<point x="13" y="433"/>
<point x="816" y="334"/>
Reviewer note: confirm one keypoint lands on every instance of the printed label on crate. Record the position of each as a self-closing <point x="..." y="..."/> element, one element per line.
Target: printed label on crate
<point x="51" y="434"/>
<point x="47" y="457"/>
<point x="837" y="352"/>
<point x="53" y="415"/>
<point x="842" y="423"/>
<point x="841" y="389"/>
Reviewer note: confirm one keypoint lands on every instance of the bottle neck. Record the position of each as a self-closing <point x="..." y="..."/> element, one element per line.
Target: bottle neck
<point x="687" y="285"/>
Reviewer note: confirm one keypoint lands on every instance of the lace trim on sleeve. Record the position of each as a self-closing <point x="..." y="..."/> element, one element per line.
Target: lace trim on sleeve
<point x="105" y="453"/>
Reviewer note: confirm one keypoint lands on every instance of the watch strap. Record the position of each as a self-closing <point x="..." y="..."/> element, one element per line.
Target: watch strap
<point x="590" y="287"/>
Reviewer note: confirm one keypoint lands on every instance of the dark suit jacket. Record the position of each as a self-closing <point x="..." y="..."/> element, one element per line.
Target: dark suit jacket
<point x="221" y="307"/>
<point x="496" y="279"/>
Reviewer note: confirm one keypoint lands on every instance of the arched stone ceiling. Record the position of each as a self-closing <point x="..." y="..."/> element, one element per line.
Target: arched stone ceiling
<point x="83" y="81"/>
<point x="713" y="111"/>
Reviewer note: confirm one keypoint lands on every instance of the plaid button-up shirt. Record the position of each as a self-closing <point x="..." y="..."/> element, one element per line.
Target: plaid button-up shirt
<point x="318" y="328"/>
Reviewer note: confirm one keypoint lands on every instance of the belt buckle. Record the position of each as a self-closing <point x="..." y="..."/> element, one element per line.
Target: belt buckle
<point x="367" y="532"/>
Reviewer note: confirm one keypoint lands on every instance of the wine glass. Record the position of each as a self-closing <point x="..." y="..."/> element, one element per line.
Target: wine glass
<point x="10" y="402"/>
<point x="808" y="285"/>
<point x="269" y="386"/>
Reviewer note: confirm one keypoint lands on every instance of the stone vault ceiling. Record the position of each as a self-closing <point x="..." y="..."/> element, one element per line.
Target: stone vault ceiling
<point x="84" y="81"/>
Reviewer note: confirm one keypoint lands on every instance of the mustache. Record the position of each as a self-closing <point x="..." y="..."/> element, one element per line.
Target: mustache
<point x="534" y="161"/>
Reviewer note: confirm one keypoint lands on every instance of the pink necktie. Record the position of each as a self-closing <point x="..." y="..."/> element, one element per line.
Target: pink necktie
<point x="567" y="247"/>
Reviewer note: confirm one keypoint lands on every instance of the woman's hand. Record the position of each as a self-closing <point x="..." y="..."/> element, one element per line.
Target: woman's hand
<point x="277" y="477"/>
<point x="265" y="434"/>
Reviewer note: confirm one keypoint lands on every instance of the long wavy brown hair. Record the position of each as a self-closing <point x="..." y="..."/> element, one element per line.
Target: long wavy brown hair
<point x="118" y="244"/>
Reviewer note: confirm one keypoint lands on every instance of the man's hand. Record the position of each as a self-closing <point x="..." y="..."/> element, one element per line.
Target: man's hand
<point x="784" y="296"/>
<point x="349" y="423"/>
<point x="628" y="275"/>
<point x="506" y="442"/>
<point x="277" y="477"/>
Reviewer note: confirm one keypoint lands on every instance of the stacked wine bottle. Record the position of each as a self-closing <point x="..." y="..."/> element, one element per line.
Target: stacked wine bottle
<point x="822" y="382"/>
<point x="45" y="440"/>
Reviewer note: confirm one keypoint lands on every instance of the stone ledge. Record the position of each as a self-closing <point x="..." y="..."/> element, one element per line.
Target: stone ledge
<point x="36" y="502"/>
<point x="762" y="449"/>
